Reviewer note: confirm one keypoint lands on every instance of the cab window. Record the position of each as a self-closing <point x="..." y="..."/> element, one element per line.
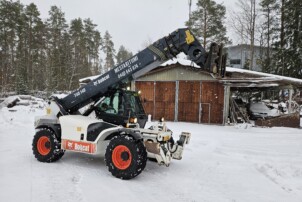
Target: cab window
<point x="110" y="105"/>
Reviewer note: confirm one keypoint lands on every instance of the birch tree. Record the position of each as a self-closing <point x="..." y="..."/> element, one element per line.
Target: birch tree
<point x="244" y="22"/>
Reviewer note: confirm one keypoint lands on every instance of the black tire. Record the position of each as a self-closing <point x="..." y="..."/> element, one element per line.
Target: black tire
<point x="134" y="150"/>
<point x="46" y="147"/>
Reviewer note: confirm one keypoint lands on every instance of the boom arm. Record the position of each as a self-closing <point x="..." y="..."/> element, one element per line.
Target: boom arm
<point x="181" y="40"/>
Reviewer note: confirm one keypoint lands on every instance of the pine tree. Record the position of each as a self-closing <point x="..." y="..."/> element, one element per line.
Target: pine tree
<point x="270" y="25"/>
<point x="288" y="46"/>
<point x="56" y="66"/>
<point x="123" y="54"/>
<point x="34" y="31"/>
<point x="48" y="56"/>
<point x="10" y="43"/>
<point x="93" y="43"/>
<point x="21" y="60"/>
<point x="80" y="67"/>
<point x="109" y="51"/>
<point x="293" y="38"/>
<point x="207" y="22"/>
<point x="40" y="61"/>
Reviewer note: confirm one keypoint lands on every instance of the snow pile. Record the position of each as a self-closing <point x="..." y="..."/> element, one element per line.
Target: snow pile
<point x="22" y="100"/>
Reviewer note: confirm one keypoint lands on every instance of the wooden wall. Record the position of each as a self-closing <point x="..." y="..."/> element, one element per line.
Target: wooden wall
<point x="197" y="101"/>
<point x="188" y="101"/>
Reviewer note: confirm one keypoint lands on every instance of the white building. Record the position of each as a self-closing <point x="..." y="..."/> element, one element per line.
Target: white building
<point x="239" y="56"/>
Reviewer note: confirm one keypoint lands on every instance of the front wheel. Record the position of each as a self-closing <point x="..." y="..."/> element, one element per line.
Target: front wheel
<point x="125" y="157"/>
<point x="46" y="147"/>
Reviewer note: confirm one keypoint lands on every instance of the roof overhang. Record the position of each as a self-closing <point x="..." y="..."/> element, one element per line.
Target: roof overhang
<point x="240" y="78"/>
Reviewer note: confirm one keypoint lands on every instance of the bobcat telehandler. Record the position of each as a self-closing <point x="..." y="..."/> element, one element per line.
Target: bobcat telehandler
<point x="118" y="128"/>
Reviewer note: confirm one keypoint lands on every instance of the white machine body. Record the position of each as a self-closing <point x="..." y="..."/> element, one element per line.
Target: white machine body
<point x="74" y="136"/>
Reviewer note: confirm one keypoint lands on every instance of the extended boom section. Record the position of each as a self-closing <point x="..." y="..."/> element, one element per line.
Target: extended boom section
<point x="181" y="40"/>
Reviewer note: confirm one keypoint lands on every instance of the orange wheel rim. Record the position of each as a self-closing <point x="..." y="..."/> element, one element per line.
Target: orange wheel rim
<point x="43" y="145"/>
<point x="121" y="157"/>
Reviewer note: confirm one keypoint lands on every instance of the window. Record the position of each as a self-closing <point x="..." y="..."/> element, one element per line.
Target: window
<point x="235" y="61"/>
<point x="110" y="104"/>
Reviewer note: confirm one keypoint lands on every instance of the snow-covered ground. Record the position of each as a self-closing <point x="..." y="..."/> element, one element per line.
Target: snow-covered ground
<point x="219" y="164"/>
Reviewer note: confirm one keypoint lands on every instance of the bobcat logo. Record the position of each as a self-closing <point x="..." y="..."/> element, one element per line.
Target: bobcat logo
<point x="79" y="146"/>
<point x="70" y="145"/>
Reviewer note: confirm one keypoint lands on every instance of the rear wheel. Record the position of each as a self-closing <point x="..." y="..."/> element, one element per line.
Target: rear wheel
<point x="125" y="157"/>
<point x="46" y="147"/>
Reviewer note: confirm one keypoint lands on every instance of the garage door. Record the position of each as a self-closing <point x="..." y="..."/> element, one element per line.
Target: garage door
<point x="188" y="101"/>
<point x="165" y="100"/>
<point x="197" y="101"/>
<point x="147" y="95"/>
<point x="160" y="104"/>
<point x="212" y="102"/>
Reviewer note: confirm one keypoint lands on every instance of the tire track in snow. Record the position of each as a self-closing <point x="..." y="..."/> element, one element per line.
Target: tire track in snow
<point x="279" y="176"/>
<point x="58" y="182"/>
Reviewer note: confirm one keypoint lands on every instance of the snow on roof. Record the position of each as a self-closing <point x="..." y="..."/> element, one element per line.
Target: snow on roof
<point x="185" y="62"/>
<point x="272" y="76"/>
<point x="268" y="76"/>
<point x="88" y="78"/>
<point x="181" y="61"/>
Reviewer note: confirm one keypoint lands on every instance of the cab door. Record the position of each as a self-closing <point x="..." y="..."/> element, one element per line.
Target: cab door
<point x="111" y="110"/>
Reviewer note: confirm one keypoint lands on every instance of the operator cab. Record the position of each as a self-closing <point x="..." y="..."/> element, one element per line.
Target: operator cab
<point x="121" y="107"/>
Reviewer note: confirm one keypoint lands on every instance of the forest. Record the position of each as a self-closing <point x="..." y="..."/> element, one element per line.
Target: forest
<point x="51" y="54"/>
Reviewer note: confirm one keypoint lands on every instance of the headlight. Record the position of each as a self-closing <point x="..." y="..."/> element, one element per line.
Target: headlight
<point x="133" y="120"/>
<point x="162" y="119"/>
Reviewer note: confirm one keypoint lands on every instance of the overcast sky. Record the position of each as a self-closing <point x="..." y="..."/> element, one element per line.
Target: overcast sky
<point x="130" y="22"/>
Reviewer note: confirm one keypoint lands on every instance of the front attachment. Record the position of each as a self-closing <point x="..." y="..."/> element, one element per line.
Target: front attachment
<point x="160" y="145"/>
<point x="184" y="138"/>
<point x="216" y="60"/>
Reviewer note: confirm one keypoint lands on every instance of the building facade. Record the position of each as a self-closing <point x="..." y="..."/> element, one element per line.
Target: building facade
<point x="239" y="56"/>
<point x="182" y="93"/>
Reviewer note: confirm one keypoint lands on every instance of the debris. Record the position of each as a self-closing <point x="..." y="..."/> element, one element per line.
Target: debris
<point x="286" y="120"/>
